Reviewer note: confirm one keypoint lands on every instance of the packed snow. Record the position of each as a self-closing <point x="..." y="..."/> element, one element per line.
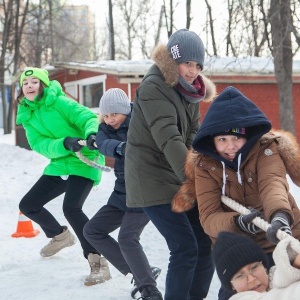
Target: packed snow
<point x="28" y="276"/>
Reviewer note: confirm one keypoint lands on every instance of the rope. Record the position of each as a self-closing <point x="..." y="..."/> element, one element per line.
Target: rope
<point x="259" y="222"/>
<point x="89" y="162"/>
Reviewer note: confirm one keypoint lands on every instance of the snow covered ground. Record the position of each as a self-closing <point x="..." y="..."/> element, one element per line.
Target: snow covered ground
<point x="28" y="276"/>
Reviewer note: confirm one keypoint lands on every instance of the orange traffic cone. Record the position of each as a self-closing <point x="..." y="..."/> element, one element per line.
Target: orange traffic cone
<point x="24" y="228"/>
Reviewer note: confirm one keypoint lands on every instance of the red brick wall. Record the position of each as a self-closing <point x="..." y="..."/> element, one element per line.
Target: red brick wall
<point x="261" y="90"/>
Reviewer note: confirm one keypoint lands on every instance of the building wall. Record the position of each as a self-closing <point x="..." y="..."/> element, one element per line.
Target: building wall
<point x="261" y="90"/>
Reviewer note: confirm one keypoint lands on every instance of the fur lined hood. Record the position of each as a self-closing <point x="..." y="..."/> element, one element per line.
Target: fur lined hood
<point x="169" y="70"/>
<point x="289" y="151"/>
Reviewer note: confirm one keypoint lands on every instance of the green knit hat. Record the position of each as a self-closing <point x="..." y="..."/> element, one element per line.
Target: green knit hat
<point x="41" y="74"/>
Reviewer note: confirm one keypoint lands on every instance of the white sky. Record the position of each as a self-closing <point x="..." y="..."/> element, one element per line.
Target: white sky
<point x="100" y="8"/>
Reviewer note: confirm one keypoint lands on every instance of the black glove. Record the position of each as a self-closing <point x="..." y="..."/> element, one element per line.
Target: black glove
<point x="91" y="142"/>
<point x="121" y="148"/>
<point x="280" y="221"/>
<point x="72" y="144"/>
<point x="244" y="222"/>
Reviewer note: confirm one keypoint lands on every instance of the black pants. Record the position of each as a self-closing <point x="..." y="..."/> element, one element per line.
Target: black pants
<point x="76" y="189"/>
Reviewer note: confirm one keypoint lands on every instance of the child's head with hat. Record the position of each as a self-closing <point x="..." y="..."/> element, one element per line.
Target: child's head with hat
<point x="185" y="45"/>
<point x="234" y="253"/>
<point x="114" y="107"/>
<point x="41" y="74"/>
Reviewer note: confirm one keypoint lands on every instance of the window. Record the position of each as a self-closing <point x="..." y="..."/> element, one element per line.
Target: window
<point x="91" y="94"/>
<point x="90" y="90"/>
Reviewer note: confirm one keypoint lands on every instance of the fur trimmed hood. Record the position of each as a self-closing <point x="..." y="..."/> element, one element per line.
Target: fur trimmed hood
<point x="289" y="151"/>
<point x="169" y="69"/>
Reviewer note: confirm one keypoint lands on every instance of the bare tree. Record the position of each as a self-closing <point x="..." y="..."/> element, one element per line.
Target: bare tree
<point x="55" y="32"/>
<point x="169" y="11"/>
<point x="211" y="26"/>
<point x="159" y="25"/>
<point x="188" y="13"/>
<point x="281" y="28"/>
<point x="131" y="12"/>
<point x="12" y="22"/>
<point x="149" y="24"/>
<point x="111" y="46"/>
<point x="231" y="20"/>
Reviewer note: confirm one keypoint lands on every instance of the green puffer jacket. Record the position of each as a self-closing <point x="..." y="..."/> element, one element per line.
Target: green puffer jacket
<point x="161" y="130"/>
<point x="48" y="121"/>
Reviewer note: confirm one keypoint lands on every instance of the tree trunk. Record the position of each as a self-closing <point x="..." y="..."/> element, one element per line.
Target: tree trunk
<point x="280" y="19"/>
<point x="111" y="47"/>
<point x="188" y="14"/>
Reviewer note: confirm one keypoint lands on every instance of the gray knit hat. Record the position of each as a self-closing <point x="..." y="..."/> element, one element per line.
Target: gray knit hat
<point x="114" y="101"/>
<point x="185" y="45"/>
<point x="232" y="252"/>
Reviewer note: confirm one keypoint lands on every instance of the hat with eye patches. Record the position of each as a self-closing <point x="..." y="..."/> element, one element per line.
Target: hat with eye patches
<point x="234" y="251"/>
<point x="41" y="74"/>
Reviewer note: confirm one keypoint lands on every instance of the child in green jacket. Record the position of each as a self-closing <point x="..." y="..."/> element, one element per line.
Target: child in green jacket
<point x="54" y="125"/>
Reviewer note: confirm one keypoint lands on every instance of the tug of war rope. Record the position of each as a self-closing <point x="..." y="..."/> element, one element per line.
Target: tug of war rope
<point x="91" y="162"/>
<point x="259" y="222"/>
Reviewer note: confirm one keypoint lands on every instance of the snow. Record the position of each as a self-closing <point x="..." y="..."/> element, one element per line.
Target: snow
<point x="28" y="276"/>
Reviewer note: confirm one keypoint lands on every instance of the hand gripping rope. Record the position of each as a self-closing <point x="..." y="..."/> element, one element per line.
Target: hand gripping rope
<point x="90" y="162"/>
<point x="259" y="222"/>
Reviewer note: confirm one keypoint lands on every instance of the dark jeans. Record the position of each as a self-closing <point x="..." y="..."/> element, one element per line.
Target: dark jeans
<point x="47" y="188"/>
<point x="190" y="268"/>
<point x="127" y="254"/>
<point x="225" y="294"/>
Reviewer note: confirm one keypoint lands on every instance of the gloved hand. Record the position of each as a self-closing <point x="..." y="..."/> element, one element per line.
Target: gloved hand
<point x="91" y="142"/>
<point x="121" y="148"/>
<point x="72" y="144"/>
<point x="280" y="221"/>
<point x="243" y="222"/>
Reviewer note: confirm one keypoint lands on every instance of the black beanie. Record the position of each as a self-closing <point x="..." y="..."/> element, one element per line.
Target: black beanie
<point x="232" y="252"/>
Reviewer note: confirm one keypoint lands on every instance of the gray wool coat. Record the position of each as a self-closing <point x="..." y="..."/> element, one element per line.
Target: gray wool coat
<point x="161" y="131"/>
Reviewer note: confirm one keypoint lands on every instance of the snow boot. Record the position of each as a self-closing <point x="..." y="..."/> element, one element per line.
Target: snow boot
<point x="150" y="293"/>
<point x="60" y="241"/>
<point x="99" y="270"/>
<point x="155" y="272"/>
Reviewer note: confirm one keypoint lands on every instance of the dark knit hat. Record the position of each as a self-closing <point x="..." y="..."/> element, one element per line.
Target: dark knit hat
<point x="114" y="101"/>
<point x="185" y="45"/>
<point x="232" y="252"/>
<point x="41" y="74"/>
<point x="233" y="131"/>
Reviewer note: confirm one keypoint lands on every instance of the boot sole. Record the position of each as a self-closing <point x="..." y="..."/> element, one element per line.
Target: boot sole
<point x="89" y="283"/>
<point x="136" y="290"/>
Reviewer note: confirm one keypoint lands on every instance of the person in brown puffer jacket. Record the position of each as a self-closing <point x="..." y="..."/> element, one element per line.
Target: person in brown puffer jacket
<point x="251" y="169"/>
